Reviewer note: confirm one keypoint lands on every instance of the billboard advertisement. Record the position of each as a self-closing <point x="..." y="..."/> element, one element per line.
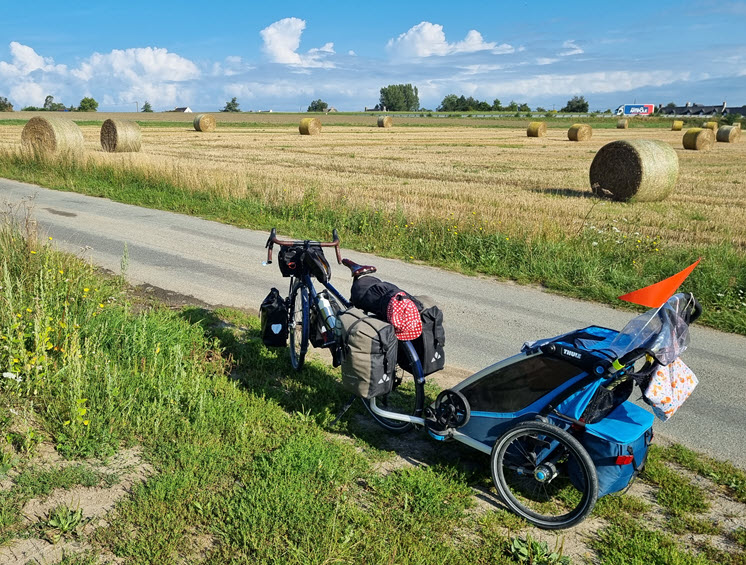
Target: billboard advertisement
<point x="636" y="110"/>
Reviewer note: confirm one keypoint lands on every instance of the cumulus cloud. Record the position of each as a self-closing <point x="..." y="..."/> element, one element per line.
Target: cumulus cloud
<point x="25" y="61"/>
<point x="281" y="42"/>
<point x="140" y="63"/>
<point x="571" y="47"/>
<point x="427" y="39"/>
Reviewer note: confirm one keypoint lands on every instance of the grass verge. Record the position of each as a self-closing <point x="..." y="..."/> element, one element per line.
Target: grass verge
<point x="592" y="264"/>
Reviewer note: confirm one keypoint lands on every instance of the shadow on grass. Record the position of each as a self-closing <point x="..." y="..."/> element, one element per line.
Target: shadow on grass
<point x="572" y="192"/>
<point x="317" y="392"/>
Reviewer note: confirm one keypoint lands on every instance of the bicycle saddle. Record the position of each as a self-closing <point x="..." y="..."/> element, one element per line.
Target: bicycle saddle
<point x="358" y="270"/>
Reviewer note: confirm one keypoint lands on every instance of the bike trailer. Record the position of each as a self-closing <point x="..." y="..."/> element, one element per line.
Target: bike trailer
<point x="369" y="350"/>
<point x="618" y="446"/>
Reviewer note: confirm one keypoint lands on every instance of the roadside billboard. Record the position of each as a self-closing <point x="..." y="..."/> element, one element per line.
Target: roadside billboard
<point x="636" y="110"/>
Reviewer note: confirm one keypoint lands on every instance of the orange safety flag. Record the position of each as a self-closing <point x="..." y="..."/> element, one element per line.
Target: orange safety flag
<point x="655" y="295"/>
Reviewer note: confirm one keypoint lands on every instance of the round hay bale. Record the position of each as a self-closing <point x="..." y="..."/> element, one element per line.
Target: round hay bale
<point x="120" y="136"/>
<point x="677" y="125"/>
<point x="728" y="134"/>
<point x="205" y="122"/>
<point x="52" y="134"/>
<point x="712" y="125"/>
<point x="385" y="122"/>
<point x="536" y="129"/>
<point x="310" y="126"/>
<point x="622" y="124"/>
<point x="642" y="169"/>
<point x="579" y="132"/>
<point x="699" y="139"/>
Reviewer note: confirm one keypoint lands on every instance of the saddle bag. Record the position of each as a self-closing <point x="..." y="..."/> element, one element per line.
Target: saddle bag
<point x="618" y="446"/>
<point x="373" y="295"/>
<point x="430" y="345"/>
<point x="369" y="349"/>
<point x="274" y="320"/>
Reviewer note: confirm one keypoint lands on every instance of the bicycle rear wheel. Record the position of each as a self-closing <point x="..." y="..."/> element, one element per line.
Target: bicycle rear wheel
<point x="407" y="397"/>
<point x="298" y="324"/>
<point x="544" y="475"/>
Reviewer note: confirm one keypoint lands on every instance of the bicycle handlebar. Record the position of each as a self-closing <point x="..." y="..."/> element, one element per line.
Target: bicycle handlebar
<point x="290" y="242"/>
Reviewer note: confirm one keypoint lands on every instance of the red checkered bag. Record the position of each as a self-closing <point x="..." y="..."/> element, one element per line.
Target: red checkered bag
<point x="403" y="314"/>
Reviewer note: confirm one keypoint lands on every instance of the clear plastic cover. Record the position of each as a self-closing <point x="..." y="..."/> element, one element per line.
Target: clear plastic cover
<point x="662" y="331"/>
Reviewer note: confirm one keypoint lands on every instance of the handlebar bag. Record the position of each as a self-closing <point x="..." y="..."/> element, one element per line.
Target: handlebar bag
<point x="274" y="320"/>
<point x="369" y="349"/>
<point x="430" y="345"/>
<point x="618" y="446"/>
<point x="289" y="259"/>
<point x="315" y="262"/>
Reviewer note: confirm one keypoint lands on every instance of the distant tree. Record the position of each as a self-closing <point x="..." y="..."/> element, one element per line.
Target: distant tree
<point x="146" y="107"/>
<point x="231" y="106"/>
<point x="400" y="98"/>
<point x="497" y="105"/>
<point x="540" y="109"/>
<point x="51" y="106"/>
<point x="576" y="104"/>
<point x="512" y="107"/>
<point x="5" y="105"/>
<point x="88" y="104"/>
<point x="31" y="109"/>
<point x="317" y="106"/>
<point x="524" y="107"/>
<point x="449" y="104"/>
<point x="670" y="106"/>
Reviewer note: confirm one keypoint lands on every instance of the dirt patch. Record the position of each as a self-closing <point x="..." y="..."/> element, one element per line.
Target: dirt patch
<point x="94" y="503"/>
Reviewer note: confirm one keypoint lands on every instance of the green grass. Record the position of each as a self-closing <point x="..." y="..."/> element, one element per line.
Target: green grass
<point x="588" y="265"/>
<point x="676" y="493"/>
<point x="246" y="468"/>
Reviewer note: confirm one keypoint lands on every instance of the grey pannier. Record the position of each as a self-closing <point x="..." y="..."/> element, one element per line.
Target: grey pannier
<point x="369" y="347"/>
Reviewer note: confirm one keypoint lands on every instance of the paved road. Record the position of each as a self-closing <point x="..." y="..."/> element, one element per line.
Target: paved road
<point x="485" y="320"/>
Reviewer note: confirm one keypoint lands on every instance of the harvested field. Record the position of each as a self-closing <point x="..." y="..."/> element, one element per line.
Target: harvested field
<point x="495" y="177"/>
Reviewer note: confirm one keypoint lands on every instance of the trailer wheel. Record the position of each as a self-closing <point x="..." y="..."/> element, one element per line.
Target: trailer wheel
<point x="544" y="475"/>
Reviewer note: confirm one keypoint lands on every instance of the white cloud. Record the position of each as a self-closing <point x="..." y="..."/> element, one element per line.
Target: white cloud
<point x="351" y="53"/>
<point x="137" y="64"/>
<point x="281" y="42"/>
<point x="427" y="39"/>
<point x="572" y="48"/>
<point x="546" y="61"/>
<point x="25" y="61"/>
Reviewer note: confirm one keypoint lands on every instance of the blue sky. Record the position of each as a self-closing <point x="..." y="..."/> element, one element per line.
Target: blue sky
<point x="282" y="56"/>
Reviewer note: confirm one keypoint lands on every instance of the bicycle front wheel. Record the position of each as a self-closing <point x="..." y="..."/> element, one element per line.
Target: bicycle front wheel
<point x="298" y="324"/>
<point x="407" y="397"/>
<point x="544" y="475"/>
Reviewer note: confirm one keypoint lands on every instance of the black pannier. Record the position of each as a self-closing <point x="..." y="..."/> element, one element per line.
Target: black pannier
<point x="316" y="264"/>
<point x="373" y="295"/>
<point x="274" y="320"/>
<point x="430" y="345"/>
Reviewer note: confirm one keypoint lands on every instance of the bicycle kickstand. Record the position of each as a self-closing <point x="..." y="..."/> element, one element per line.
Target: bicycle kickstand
<point x="344" y="410"/>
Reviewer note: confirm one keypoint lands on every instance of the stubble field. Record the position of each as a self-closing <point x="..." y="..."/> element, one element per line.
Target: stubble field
<point x="427" y="181"/>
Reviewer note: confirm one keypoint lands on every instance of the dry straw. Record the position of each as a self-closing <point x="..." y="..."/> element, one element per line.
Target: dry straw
<point x="622" y="124"/>
<point x="677" y="125"/>
<point x="205" y="122"/>
<point x="728" y="134"/>
<point x="120" y="136"/>
<point x="642" y="169"/>
<point x="310" y="126"/>
<point x="52" y="134"/>
<point x="579" y="132"/>
<point x="699" y="139"/>
<point x="712" y="125"/>
<point x="385" y="122"/>
<point x="536" y="129"/>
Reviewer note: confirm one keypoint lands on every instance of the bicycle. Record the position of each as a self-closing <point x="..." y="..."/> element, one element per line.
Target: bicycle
<point x="403" y="407"/>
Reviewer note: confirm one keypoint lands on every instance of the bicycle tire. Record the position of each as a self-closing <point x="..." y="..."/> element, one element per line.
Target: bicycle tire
<point x="407" y="398"/>
<point x="298" y="324"/>
<point x="523" y="485"/>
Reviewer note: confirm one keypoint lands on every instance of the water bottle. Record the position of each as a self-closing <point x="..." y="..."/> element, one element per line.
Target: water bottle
<point x="327" y="314"/>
